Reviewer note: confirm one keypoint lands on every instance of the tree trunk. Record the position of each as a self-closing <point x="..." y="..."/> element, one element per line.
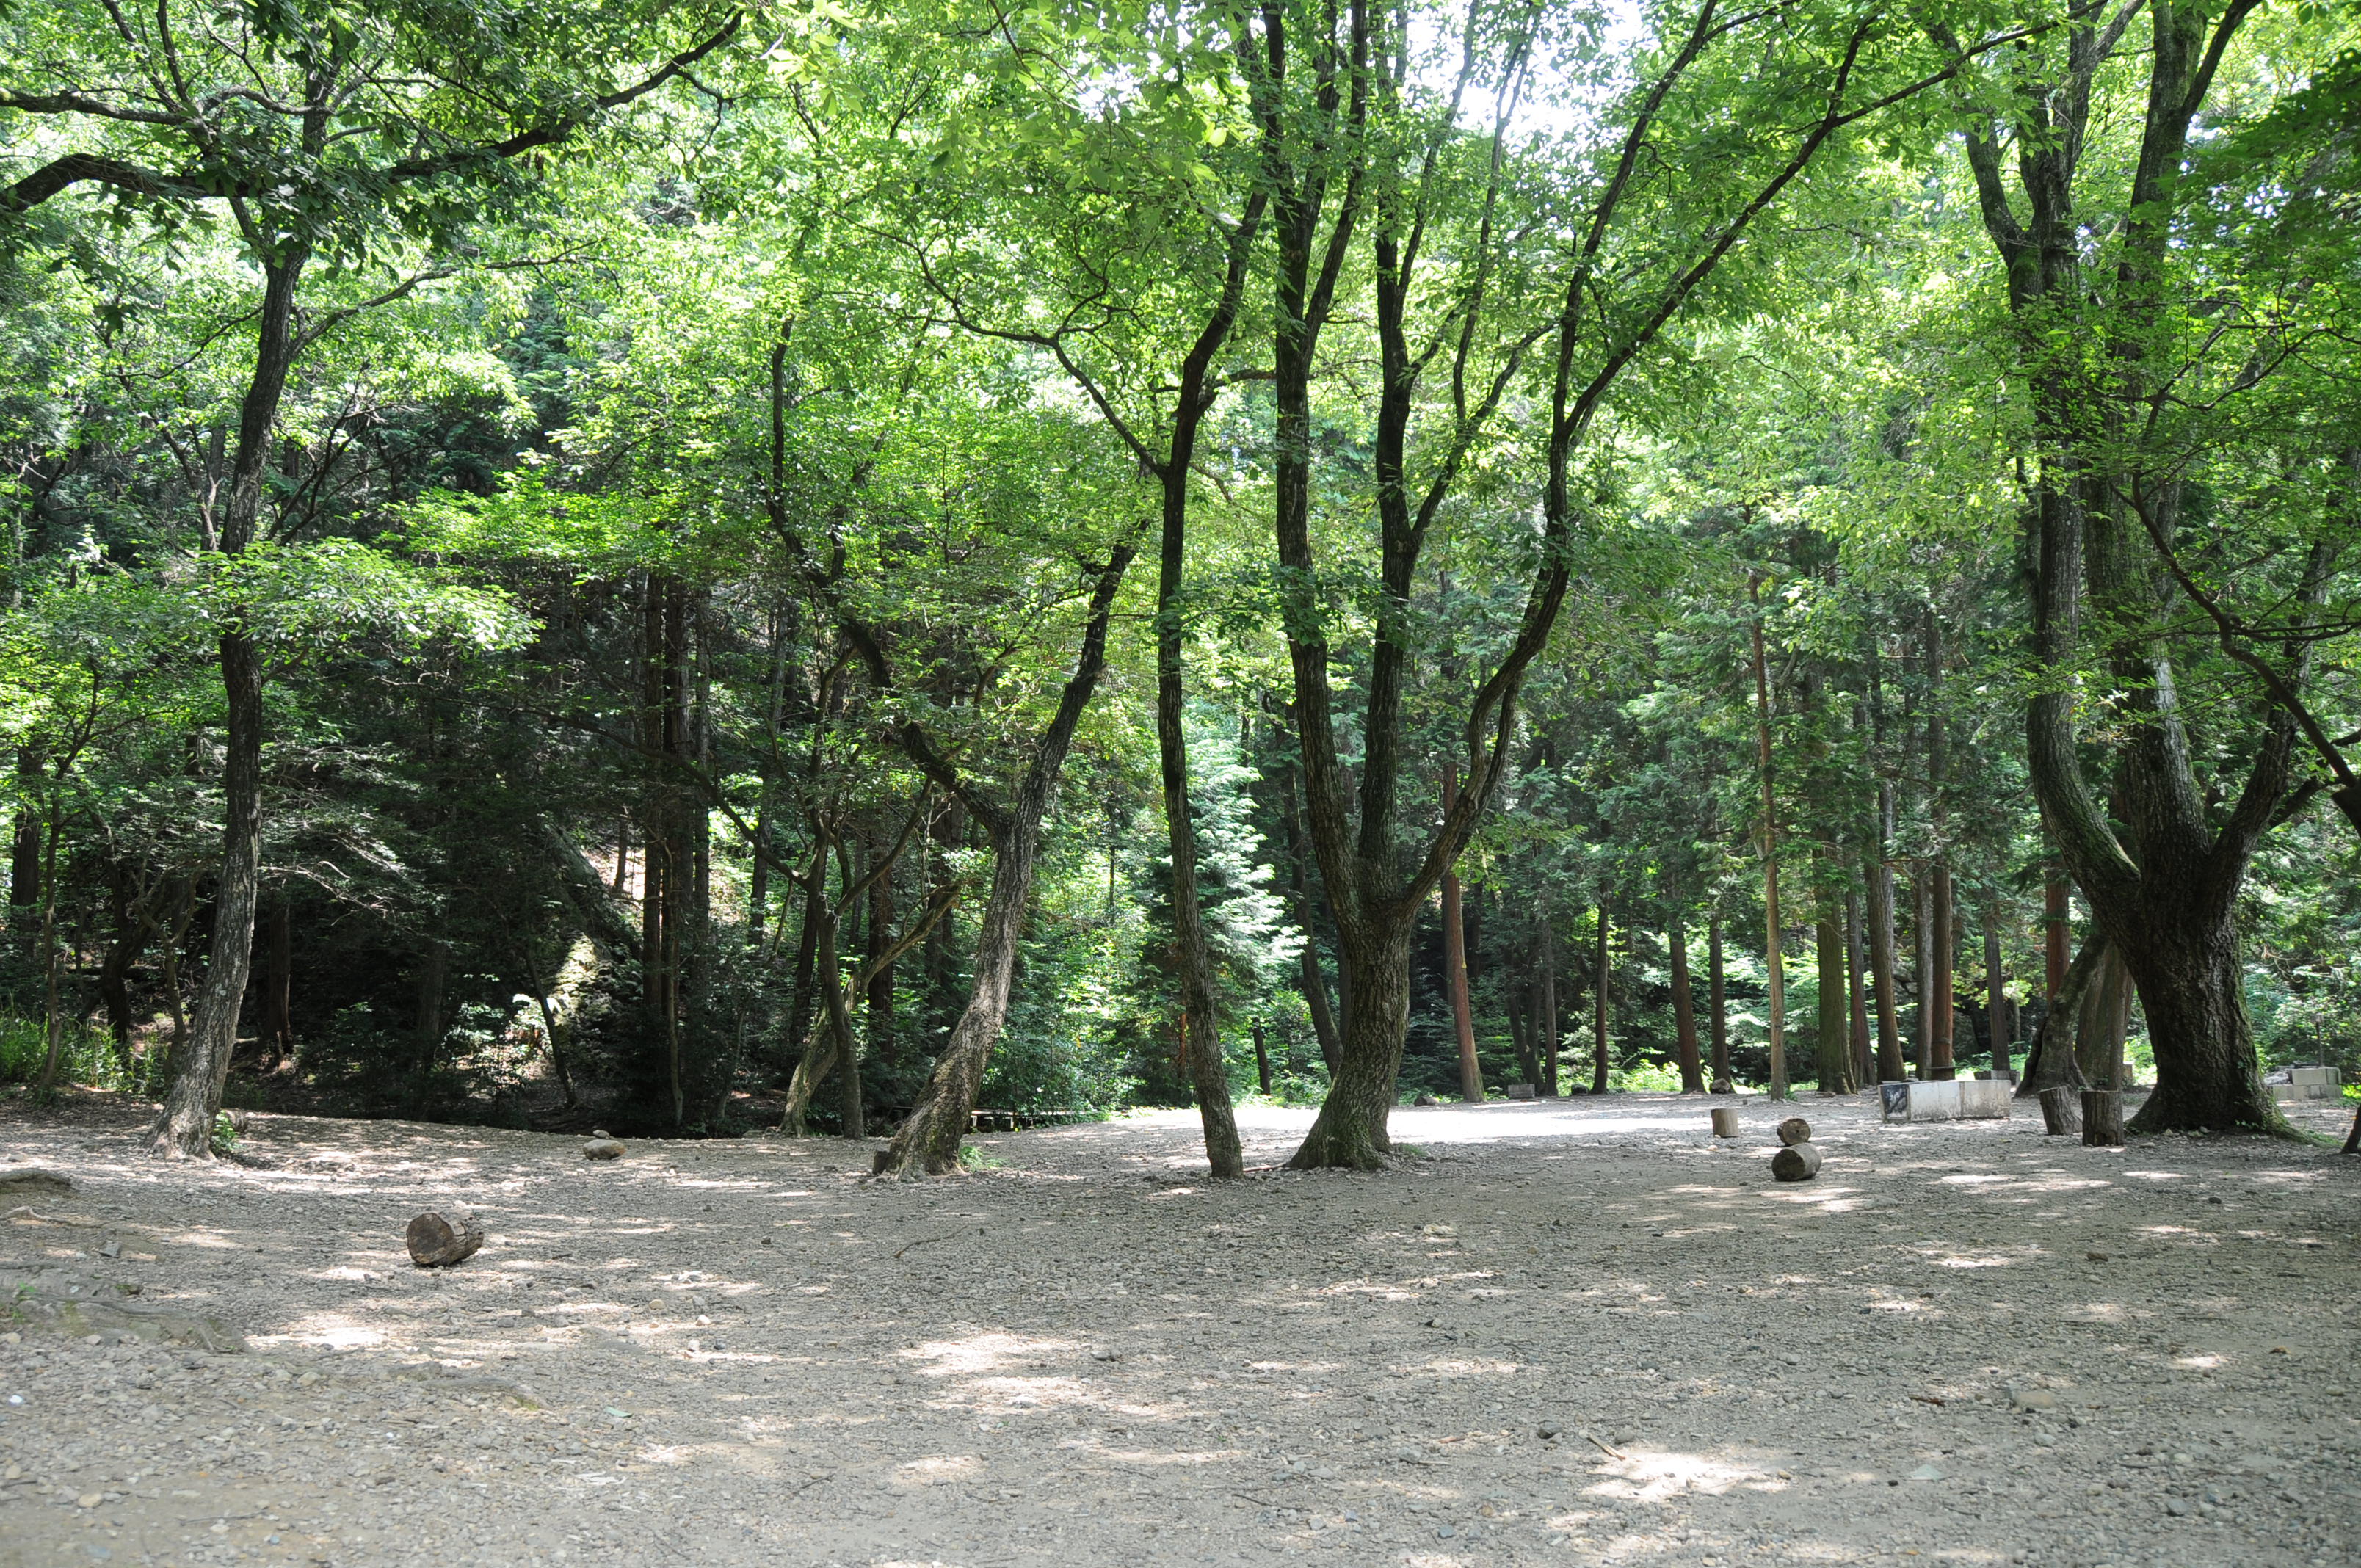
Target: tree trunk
<point x="1864" y="1062"/>
<point x="1350" y="1131"/>
<point x="1454" y="969"/>
<point x="879" y="1022"/>
<point x="1834" y="1067"/>
<point x="2053" y="1059"/>
<point x="1923" y="979"/>
<point x="1775" y="959"/>
<point x="2102" y="1021"/>
<point x="1716" y="999"/>
<point x="24" y="863"/>
<point x="1315" y="985"/>
<point x="114" y="973"/>
<point x="1997" y="1011"/>
<point x="1525" y="1006"/>
<point x="1685" y="1030"/>
<point x="426" y="1037"/>
<point x="201" y="1066"/>
<point x="928" y="1141"/>
<point x="1545" y="1021"/>
<point x="2055" y="920"/>
<point x="1262" y="1057"/>
<point x="279" y="984"/>
<point x="1890" y="1065"/>
<point x="1943" y="989"/>
<point x="1602" y="972"/>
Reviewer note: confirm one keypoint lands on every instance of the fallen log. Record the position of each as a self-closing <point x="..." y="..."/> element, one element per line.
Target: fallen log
<point x="439" y="1239"/>
<point x="1795" y="1130"/>
<point x="1796" y="1162"/>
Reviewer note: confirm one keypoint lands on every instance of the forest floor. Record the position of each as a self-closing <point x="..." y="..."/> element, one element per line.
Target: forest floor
<point x="1561" y="1333"/>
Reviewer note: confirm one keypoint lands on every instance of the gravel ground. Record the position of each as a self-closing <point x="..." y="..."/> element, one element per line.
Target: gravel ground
<point x="1576" y="1332"/>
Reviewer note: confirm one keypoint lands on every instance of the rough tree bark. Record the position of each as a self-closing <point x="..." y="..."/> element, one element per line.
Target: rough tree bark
<point x="1716" y="990"/>
<point x="2165" y="894"/>
<point x="1455" y="969"/>
<point x="1684" y="1030"/>
<point x="1602" y="972"/>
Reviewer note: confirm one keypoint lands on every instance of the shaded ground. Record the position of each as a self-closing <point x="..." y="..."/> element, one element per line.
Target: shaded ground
<point x="1572" y="1334"/>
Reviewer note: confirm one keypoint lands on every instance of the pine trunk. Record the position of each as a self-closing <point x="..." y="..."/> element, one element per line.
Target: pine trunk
<point x="1684" y="1030"/>
<point x="1602" y="972"/>
<point x="1716" y="996"/>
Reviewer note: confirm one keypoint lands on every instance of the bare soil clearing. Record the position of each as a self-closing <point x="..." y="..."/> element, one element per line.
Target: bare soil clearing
<point x="1579" y="1332"/>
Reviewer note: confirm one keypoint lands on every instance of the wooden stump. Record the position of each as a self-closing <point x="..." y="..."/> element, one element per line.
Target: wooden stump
<point x="1725" y="1121"/>
<point x="2060" y="1116"/>
<point x="439" y="1239"/>
<point x="1795" y="1130"/>
<point x="1796" y="1162"/>
<point x="2103" y="1119"/>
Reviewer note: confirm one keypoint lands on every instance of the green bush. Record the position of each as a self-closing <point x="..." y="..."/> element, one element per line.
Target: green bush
<point x="87" y="1057"/>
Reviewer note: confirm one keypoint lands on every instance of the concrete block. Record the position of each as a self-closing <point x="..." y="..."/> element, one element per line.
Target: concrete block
<point x="1986" y="1099"/>
<point x="1921" y="1099"/>
<point x="1521" y="1091"/>
<point x="2314" y="1075"/>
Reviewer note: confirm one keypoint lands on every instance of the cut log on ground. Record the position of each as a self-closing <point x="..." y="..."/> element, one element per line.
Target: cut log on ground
<point x="2060" y="1116"/>
<point x="2103" y="1119"/>
<point x="1795" y="1130"/>
<point x="1725" y="1122"/>
<point x="440" y="1238"/>
<point x="1796" y="1162"/>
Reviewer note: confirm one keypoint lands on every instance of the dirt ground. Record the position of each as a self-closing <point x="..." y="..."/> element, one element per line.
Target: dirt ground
<point x="1576" y="1332"/>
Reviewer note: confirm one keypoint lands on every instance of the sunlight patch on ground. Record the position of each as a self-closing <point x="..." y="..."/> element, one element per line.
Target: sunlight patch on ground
<point x="983" y="1353"/>
<point x="1650" y="1477"/>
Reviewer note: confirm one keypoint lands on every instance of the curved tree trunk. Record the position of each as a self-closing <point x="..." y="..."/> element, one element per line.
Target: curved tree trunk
<point x="200" y="1068"/>
<point x="2053" y="1059"/>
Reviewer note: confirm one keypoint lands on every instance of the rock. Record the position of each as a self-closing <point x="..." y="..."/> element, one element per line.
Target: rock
<point x="1925" y="1473"/>
<point x="82" y="1308"/>
<point x="24" y="1181"/>
<point x="1796" y="1162"/>
<point x="1424" y="1100"/>
<point x="2032" y="1399"/>
<point x="602" y="1148"/>
<point x="1795" y="1130"/>
<point x="438" y="1240"/>
<point x="2176" y="1507"/>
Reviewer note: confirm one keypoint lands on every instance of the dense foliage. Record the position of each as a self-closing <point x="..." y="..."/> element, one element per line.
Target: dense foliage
<point x="633" y="557"/>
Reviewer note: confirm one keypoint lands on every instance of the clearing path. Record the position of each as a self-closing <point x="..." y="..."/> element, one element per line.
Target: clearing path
<point x="1567" y="1333"/>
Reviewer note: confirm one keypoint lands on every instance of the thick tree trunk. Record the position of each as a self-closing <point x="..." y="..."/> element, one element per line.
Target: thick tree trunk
<point x="1834" y="1069"/>
<point x="1684" y="1030"/>
<point x="1455" y="969"/>
<point x="1350" y="1131"/>
<point x="2102" y="1022"/>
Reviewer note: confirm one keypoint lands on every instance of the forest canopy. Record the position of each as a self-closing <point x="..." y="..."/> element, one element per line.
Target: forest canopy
<point x="693" y="568"/>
